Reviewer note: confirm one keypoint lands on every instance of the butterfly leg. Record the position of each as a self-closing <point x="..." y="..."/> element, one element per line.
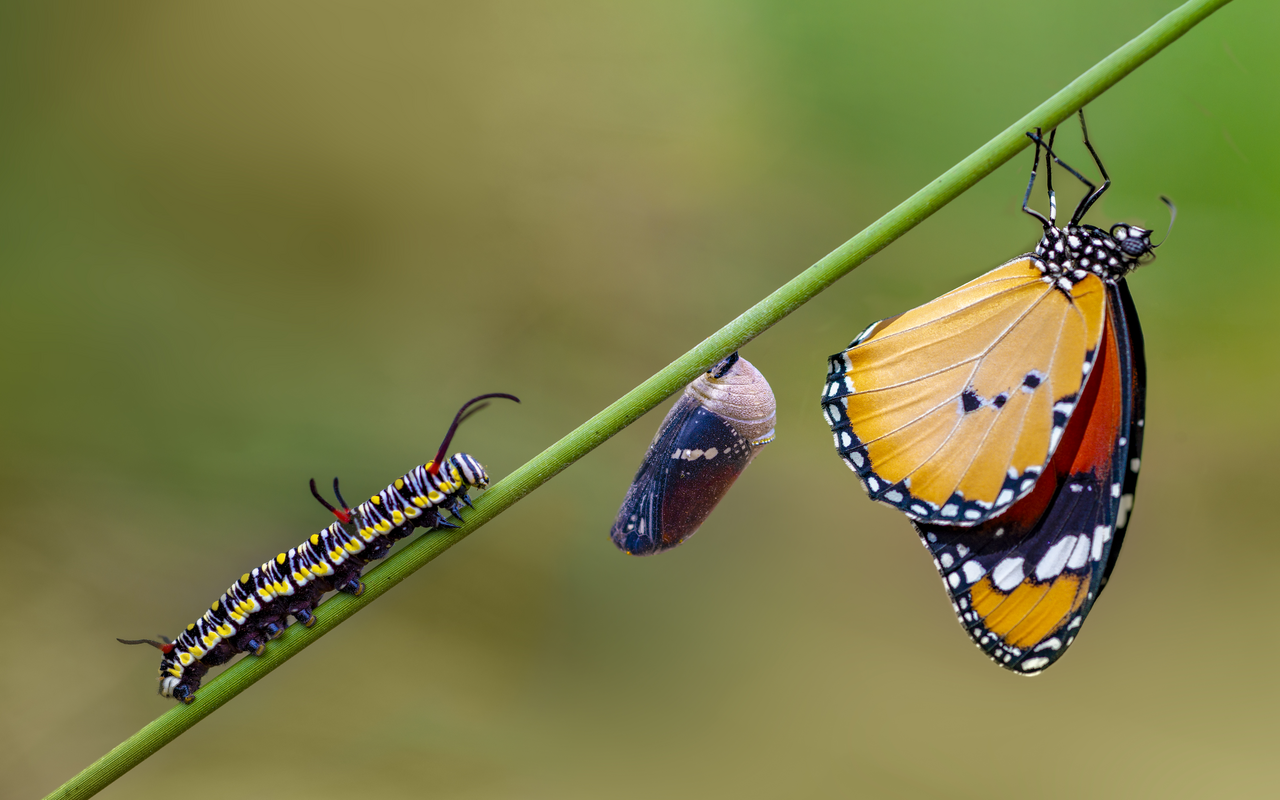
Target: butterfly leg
<point x="1052" y="221"/>
<point x="1026" y="199"/>
<point x="1093" y="196"/>
<point x="1094" y="192"/>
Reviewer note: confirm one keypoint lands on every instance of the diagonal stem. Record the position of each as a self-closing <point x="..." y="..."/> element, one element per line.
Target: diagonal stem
<point x="644" y="397"/>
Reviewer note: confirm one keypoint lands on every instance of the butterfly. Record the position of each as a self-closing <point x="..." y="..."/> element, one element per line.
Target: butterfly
<point x="1005" y="419"/>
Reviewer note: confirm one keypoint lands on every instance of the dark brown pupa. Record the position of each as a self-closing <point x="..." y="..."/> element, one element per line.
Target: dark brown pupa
<point x="708" y="438"/>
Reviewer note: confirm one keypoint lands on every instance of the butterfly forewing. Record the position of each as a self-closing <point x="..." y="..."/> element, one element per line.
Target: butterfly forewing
<point x="950" y="411"/>
<point x="1022" y="583"/>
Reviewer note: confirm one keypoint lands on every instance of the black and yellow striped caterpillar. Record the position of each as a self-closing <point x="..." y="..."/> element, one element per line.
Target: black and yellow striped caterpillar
<point x="256" y="608"/>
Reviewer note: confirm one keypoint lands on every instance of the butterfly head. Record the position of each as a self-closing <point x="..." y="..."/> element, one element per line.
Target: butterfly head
<point x="1133" y="241"/>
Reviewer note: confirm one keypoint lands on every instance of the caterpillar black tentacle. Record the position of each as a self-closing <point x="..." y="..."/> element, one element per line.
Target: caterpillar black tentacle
<point x="256" y="608"/>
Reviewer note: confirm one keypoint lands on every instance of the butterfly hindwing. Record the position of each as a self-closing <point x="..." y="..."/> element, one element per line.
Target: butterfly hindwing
<point x="1023" y="582"/>
<point x="950" y="411"/>
<point x="1137" y="425"/>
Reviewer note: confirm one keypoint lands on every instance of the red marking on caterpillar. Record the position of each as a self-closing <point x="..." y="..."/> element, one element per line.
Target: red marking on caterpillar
<point x="256" y="608"/>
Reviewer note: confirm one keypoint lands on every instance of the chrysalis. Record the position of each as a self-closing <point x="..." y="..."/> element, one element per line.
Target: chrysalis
<point x="707" y="439"/>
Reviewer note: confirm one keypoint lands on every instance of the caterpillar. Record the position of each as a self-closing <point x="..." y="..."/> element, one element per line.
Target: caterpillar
<point x="256" y="608"/>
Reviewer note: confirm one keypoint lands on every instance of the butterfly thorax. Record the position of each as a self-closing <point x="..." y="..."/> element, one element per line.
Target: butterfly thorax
<point x="1068" y="255"/>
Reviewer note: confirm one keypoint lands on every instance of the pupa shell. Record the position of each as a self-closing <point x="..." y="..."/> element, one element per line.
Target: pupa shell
<point x="711" y="434"/>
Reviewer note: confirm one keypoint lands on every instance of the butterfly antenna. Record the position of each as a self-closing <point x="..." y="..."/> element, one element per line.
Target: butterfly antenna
<point x="343" y="515"/>
<point x="457" y="420"/>
<point x="1173" y="214"/>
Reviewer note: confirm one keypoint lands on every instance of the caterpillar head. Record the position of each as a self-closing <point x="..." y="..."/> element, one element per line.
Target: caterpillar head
<point x="175" y="680"/>
<point x="466" y="471"/>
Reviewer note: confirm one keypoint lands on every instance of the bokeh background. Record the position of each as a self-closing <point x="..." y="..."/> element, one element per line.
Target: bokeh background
<point x="245" y="245"/>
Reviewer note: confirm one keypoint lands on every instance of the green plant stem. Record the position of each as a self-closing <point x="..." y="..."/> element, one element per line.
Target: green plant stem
<point x="644" y="397"/>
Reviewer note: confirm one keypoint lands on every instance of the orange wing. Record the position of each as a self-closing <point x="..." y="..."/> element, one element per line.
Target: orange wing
<point x="950" y="411"/>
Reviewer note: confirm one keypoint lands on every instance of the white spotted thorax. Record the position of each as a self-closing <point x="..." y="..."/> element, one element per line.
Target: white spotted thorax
<point x="1068" y="255"/>
<point x="742" y="397"/>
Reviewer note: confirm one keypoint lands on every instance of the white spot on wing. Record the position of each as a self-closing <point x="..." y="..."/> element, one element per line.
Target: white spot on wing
<point x="973" y="571"/>
<point x="1008" y="574"/>
<point x="1101" y="535"/>
<point x="1126" y="506"/>
<point x="1080" y="555"/>
<point x="1053" y="561"/>
<point x="1054" y="436"/>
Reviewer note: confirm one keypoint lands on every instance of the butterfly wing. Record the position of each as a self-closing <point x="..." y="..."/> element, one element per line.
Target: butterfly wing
<point x="1022" y="583"/>
<point x="1138" y="390"/>
<point x="950" y="411"/>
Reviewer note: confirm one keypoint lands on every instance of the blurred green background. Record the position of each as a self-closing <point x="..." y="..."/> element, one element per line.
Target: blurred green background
<point x="245" y="245"/>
